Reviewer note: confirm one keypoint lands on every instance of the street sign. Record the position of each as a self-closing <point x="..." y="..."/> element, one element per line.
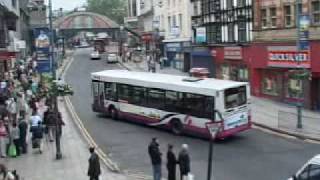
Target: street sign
<point x="213" y="128"/>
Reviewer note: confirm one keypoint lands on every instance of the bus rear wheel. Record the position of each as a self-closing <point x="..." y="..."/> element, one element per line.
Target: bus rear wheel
<point x="176" y="127"/>
<point x="113" y="113"/>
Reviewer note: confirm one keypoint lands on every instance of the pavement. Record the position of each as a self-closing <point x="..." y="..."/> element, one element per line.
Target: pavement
<point x="268" y="114"/>
<point x="73" y="165"/>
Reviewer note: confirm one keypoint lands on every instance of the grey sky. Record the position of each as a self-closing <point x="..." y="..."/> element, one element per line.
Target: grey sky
<point x="67" y="4"/>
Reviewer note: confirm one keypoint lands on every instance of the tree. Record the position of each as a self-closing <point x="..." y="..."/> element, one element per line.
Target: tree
<point x="114" y="9"/>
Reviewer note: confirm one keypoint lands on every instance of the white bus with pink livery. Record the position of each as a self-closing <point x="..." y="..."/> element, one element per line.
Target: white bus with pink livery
<point x="179" y="103"/>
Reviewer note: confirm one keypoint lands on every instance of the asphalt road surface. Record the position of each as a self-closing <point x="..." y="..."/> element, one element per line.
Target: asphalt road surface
<point x="252" y="155"/>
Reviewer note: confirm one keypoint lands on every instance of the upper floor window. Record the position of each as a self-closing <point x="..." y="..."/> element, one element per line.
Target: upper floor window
<point x="14" y="3"/>
<point x="315" y="7"/>
<point x="273" y="16"/>
<point x="241" y="3"/>
<point x="288" y="14"/>
<point x="264" y="20"/>
<point x="142" y="4"/>
<point x="229" y="4"/>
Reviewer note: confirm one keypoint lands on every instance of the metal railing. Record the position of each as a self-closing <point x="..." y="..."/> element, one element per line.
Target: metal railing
<point x="288" y="121"/>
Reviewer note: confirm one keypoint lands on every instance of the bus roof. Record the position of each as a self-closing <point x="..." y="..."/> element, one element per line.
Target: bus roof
<point x="207" y="86"/>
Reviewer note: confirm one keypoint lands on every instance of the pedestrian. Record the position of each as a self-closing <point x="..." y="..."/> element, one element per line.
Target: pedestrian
<point x="184" y="162"/>
<point x="15" y="137"/>
<point x="3" y="139"/>
<point x="49" y="120"/>
<point x="37" y="136"/>
<point x="155" y="156"/>
<point x="12" y="108"/>
<point x="171" y="163"/>
<point x="94" y="170"/>
<point x="153" y="66"/>
<point x="161" y="61"/>
<point x="35" y="119"/>
<point x="6" y="174"/>
<point x="23" y="128"/>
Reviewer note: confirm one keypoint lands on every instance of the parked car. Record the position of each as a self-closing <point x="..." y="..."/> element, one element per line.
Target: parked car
<point x="112" y="58"/>
<point x="95" y="55"/>
<point x="309" y="171"/>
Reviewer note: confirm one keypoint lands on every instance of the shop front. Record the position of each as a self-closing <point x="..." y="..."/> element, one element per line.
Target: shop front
<point x="281" y="73"/>
<point x="6" y="61"/>
<point x="202" y="58"/>
<point x="230" y="63"/>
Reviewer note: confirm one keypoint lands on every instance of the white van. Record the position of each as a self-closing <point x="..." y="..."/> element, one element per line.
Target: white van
<point x="309" y="171"/>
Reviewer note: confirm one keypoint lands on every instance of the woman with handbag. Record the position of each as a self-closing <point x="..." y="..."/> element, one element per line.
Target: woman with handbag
<point x="15" y="143"/>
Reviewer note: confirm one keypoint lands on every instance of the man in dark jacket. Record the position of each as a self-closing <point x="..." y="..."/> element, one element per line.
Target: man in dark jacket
<point x="94" y="170"/>
<point x="23" y="128"/>
<point x="155" y="156"/>
<point x="171" y="163"/>
<point x="184" y="161"/>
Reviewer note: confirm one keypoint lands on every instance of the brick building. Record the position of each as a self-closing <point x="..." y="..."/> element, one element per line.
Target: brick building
<point x="275" y="72"/>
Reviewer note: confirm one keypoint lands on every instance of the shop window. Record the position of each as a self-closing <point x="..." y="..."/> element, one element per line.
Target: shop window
<point x="315" y="6"/>
<point x="295" y="88"/>
<point x="243" y="74"/>
<point x="225" y="72"/>
<point x="270" y="85"/>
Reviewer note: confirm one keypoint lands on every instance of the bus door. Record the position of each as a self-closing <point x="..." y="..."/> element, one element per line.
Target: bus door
<point x="101" y="95"/>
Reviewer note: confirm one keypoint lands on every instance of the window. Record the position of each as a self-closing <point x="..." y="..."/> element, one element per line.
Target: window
<point x="243" y="74"/>
<point x="295" y="88"/>
<point x="192" y="104"/>
<point x="311" y="172"/>
<point x="235" y="97"/>
<point x="174" y="21"/>
<point x="288" y="15"/>
<point x="142" y="4"/>
<point x="270" y="84"/>
<point x="95" y="88"/>
<point x="138" y="95"/>
<point x="241" y="3"/>
<point x="264" y="20"/>
<point x="229" y="4"/>
<point x="242" y="31"/>
<point x="230" y="33"/>
<point x="14" y="3"/>
<point x="172" y="100"/>
<point x="110" y="91"/>
<point x="156" y="98"/>
<point x="273" y="16"/>
<point x="124" y="92"/>
<point x="195" y="9"/>
<point x="169" y="24"/>
<point x="180" y="22"/>
<point x="315" y="6"/>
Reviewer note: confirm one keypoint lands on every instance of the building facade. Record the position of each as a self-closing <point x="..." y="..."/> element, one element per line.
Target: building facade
<point x="176" y="21"/>
<point x="9" y="34"/>
<point x="226" y="26"/>
<point x="280" y="69"/>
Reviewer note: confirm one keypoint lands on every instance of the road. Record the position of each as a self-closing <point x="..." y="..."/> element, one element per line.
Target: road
<point x="251" y="155"/>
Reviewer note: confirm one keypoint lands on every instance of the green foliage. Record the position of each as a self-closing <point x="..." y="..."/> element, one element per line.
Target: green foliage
<point x="114" y="9"/>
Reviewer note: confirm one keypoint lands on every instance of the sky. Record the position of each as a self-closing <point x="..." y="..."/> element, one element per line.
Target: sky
<point x="67" y="4"/>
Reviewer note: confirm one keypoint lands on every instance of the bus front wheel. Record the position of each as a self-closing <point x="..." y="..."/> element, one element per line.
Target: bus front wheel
<point x="176" y="127"/>
<point x="113" y="113"/>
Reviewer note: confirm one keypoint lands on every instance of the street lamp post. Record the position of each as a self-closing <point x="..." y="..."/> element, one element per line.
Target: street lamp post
<point x="299" y="105"/>
<point x="53" y="69"/>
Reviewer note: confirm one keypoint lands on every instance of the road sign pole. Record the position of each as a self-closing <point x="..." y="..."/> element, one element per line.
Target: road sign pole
<point x="210" y="159"/>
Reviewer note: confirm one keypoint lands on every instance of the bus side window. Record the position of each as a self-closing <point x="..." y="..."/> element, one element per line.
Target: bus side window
<point x="124" y="92"/>
<point x="101" y="90"/>
<point x="109" y="91"/>
<point x="156" y="98"/>
<point x="138" y="95"/>
<point x="171" y="102"/>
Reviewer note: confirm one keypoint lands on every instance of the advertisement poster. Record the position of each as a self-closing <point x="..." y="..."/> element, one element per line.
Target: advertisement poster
<point x="42" y="47"/>
<point x="201" y="35"/>
<point x="304" y="24"/>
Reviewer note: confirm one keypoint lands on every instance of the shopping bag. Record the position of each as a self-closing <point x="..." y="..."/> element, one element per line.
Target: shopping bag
<point x="35" y="143"/>
<point x="12" y="150"/>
